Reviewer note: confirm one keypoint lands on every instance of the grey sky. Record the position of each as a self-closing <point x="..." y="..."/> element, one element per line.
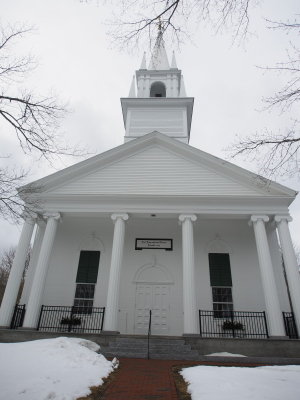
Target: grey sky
<point x="77" y="62"/>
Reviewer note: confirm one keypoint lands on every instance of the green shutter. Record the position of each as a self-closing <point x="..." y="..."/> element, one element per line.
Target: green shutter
<point x="88" y="267"/>
<point x="219" y="269"/>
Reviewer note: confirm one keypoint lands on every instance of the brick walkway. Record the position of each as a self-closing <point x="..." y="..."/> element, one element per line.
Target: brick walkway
<point x="140" y="379"/>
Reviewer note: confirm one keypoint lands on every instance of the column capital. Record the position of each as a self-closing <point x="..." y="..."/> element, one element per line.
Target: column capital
<point x="279" y="218"/>
<point x="122" y="216"/>
<point x="255" y="218"/>
<point x="29" y="216"/>
<point x="184" y="217"/>
<point x="54" y="215"/>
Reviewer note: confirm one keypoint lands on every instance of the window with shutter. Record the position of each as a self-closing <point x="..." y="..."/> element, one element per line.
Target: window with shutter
<point x="86" y="280"/>
<point x="221" y="283"/>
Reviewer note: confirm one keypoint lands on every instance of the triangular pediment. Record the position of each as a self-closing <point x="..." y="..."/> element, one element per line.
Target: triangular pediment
<point x="156" y="171"/>
<point x="158" y="166"/>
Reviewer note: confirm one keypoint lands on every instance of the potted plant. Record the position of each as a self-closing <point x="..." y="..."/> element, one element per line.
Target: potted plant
<point x="70" y="321"/>
<point x="232" y="326"/>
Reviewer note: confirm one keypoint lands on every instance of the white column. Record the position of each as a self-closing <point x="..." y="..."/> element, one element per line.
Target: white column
<point x="37" y="288"/>
<point x="112" y="303"/>
<point x="274" y="314"/>
<point x="290" y="263"/>
<point x="15" y="276"/>
<point x="188" y="263"/>
<point x="38" y="238"/>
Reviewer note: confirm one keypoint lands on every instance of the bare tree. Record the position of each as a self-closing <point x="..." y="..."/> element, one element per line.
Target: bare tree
<point x="135" y="22"/>
<point x="32" y="118"/>
<point x="11" y="206"/>
<point x="6" y="262"/>
<point x="280" y="152"/>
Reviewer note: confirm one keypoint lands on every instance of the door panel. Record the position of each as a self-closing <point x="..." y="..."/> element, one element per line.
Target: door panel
<point x="157" y="299"/>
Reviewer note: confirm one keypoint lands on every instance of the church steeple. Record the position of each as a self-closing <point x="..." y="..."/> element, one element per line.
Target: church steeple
<point x="159" y="59"/>
<point x="160" y="102"/>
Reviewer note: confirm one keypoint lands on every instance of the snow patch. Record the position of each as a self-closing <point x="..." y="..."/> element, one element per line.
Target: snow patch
<point x="236" y="383"/>
<point x="224" y="354"/>
<point x="51" y="369"/>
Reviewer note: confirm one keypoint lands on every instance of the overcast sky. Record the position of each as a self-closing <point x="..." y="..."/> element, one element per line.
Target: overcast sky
<point x="77" y="62"/>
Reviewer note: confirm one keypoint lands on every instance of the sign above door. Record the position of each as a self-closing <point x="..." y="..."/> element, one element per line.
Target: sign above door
<point x="163" y="244"/>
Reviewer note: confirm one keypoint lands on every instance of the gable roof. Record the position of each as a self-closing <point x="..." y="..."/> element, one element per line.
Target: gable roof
<point x="158" y="165"/>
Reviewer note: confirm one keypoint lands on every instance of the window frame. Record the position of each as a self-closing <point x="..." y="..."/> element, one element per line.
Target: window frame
<point x="80" y="309"/>
<point x="222" y="313"/>
<point x="216" y="283"/>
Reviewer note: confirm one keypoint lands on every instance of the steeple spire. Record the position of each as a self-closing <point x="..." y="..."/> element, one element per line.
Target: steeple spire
<point x="159" y="59"/>
<point x="143" y="64"/>
<point x="132" y="92"/>
<point x="182" y="92"/>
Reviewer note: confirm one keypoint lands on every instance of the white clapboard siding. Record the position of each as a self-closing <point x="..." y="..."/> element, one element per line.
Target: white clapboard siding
<point x="169" y="122"/>
<point x="156" y="171"/>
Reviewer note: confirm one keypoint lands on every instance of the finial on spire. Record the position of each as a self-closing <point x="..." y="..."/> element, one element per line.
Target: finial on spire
<point x="182" y="92"/>
<point x="143" y="64"/>
<point x="132" y="92"/>
<point x="173" y="63"/>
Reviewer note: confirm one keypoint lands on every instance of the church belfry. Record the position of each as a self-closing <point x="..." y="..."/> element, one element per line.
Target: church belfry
<point x="160" y="102"/>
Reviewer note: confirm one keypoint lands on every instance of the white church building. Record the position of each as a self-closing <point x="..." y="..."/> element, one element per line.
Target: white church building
<point x="156" y="224"/>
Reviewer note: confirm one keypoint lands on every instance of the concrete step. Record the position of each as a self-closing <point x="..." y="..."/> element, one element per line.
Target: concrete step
<point x="159" y="348"/>
<point x="153" y="351"/>
<point x="152" y="340"/>
<point x="157" y="356"/>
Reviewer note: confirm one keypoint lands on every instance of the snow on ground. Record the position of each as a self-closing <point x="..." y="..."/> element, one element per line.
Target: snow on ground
<point x="236" y="383"/>
<point x="51" y="369"/>
<point x="224" y="354"/>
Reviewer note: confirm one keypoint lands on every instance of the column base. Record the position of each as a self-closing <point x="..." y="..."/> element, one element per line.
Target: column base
<point x="191" y="334"/>
<point x="279" y="337"/>
<point x="110" y="333"/>
<point x="26" y="328"/>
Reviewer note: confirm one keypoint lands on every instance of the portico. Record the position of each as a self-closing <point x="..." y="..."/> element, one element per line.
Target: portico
<point x="174" y="283"/>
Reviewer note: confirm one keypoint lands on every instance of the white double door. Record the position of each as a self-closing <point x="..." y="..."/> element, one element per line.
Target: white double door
<point x="154" y="297"/>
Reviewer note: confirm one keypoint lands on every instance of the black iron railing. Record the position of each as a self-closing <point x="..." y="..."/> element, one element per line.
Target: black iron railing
<point x="149" y="333"/>
<point x="71" y="319"/>
<point x="18" y="316"/>
<point x="290" y="325"/>
<point x="233" y="324"/>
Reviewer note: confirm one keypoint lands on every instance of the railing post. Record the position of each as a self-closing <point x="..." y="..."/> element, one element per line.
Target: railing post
<point x="295" y="326"/>
<point x="266" y="325"/>
<point x="102" y="320"/>
<point x="149" y="332"/>
<point x="40" y="317"/>
<point x="22" y="316"/>
<point x="232" y="322"/>
<point x="71" y="319"/>
<point x="200" y="323"/>
<point x="290" y="325"/>
<point x="12" y="323"/>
